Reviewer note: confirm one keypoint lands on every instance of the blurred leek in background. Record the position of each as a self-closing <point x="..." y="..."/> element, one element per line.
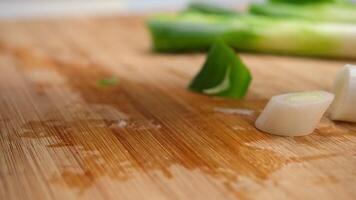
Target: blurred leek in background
<point x="309" y="1"/>
<point x="339" y="11"/>
<point x="310" y="34"/>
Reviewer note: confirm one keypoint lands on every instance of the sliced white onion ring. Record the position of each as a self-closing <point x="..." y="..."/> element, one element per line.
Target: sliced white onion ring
<point x="344" y="105"/>
<point x="294" y="114"/>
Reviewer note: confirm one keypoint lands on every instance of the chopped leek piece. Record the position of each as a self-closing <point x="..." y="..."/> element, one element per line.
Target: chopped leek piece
<point x="294" y="114"/>
<point x="197" y="31"/>
<point x="223" y="74"/>
<point x="343" y="108"/>
<point x="313" y="11"/>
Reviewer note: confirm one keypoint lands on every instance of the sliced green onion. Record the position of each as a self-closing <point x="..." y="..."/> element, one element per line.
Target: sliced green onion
<point x="344" y="108"/>
<point x="294" y="114"/>
<point x="223" y="74"/>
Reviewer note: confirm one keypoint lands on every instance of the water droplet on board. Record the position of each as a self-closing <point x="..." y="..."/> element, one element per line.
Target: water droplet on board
<point x="238" y="111"/>
<point x="136" y="124"/>
<point x="238" y="128"/>
<point x="119" y="124"/>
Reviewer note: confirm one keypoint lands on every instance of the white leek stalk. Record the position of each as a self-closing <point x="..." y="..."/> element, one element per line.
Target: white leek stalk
<point x="294" y="114"/>
<point x="344" y="106"/>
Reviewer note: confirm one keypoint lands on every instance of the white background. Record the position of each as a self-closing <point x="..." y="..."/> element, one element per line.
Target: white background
<point x="60" y="8"/>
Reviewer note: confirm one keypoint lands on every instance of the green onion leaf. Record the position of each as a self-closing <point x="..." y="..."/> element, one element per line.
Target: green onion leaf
<point x="223" y="74"/>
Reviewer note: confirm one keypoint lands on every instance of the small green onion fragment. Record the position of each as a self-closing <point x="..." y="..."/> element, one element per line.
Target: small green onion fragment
<point x="108" y="81"/>
<point x="223" y="74"/>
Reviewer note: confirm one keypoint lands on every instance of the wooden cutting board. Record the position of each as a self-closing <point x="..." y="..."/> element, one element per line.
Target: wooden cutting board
<point x="64" y="136"/>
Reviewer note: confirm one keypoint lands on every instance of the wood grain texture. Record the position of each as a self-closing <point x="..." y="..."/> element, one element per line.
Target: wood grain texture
<point x="63" y="136"/>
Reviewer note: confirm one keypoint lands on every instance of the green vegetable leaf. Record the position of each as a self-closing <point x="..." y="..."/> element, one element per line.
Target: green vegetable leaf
<point x="108" y="81"/>
<point x="223" y="74"/>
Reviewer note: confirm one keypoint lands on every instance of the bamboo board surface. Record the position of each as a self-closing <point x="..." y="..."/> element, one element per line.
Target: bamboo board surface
<point x="63" y="136"/>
